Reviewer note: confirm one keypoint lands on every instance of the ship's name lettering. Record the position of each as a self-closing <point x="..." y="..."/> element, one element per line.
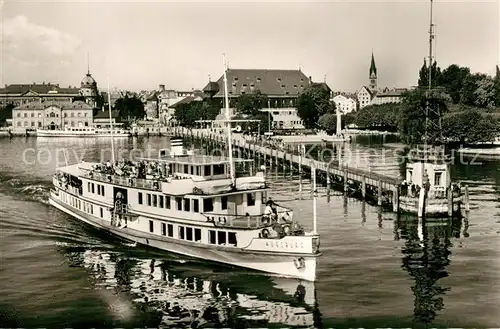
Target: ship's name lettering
<point x="282" y="244"/>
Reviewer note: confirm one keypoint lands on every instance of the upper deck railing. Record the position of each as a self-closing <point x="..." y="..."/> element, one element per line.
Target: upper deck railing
<point x="427" y="153"/>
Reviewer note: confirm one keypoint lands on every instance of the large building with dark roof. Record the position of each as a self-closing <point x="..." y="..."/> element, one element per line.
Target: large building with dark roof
<point x="281" y="86"/>
<point x="19" y="94"/>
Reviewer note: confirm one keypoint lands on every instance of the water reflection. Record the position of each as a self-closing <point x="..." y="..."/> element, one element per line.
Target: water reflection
<point x="426" y="254"/>
<point x="187" y="295"/>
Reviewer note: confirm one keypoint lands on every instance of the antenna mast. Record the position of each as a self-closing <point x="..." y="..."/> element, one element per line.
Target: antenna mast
<point x="229" y="140"/>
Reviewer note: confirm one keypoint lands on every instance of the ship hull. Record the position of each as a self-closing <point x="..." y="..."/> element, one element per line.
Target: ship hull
<point x="62" y="133"/>
<point x="280" y="264"/>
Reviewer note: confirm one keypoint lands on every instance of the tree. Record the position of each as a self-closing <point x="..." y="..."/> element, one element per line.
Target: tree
<point x="468" y="93"/>
<point x="186" y="114"/>
<point x="130" y="107"/>
<point x="485" y="92"/>
<point x="379" y="117"/>
<point x="250" y="104"/>
<point x="452" y="80"/>
<point x="328" y="122"/>
<point x="470" y="126"/>
<point x="6" y="113"/>
<point x="312" y="103"/>
<point x="423" y="75"/>
<point x="497" y="86"/>
<point x="416" y="106"/>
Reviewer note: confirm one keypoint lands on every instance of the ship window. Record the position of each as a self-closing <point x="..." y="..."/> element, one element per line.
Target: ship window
<point x="189" y="233"/>
<point x="102" y="214"/>
<point x="196" y="205"/>
<point x="98" y="189"/>
<point x="197" y="235"/>
<point x="197" y="170"/>
<point x="211" y="237"/>
<point x="151" y="226"/>
<point x="163" y="229"/>
<point x="186" y="169"/>
<point x="181" y="232"/>
<point x="231" y="238"/>
<point x="155" y="200"/>
<point x="437" y="178"/>
<point x="219" y="169"/>
<point x="170" y="230"/>
<point x="208" y="172"/>
<point x="139" y="197"/>
<point x="93" y="191"/>
<point x="167" y="202"/>
<point x="221" y="237"/>
<point x="102" y="190"/>
<point x="149" y="199"/>
<point x="192" y="170"/>
<point x="223" y="202"/>
<point x="160" y="201"/>
<point x="91" y="209"/>
<point x="88" y="187"/>
<point x="179" y="203"/>
<point x="208" y="205"/>
<point x="250" y="199"/>
<point x="263" y="200"/>
<point x="187" y="204"/>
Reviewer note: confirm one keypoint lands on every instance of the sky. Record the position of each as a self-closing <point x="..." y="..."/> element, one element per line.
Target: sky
<point x="137" y="45"/>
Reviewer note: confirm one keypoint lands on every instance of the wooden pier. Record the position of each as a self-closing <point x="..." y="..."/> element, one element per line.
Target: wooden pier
<point x="359" y="183"/>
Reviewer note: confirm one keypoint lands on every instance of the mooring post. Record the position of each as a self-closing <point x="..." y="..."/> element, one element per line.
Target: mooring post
<point x="379" y="196"/>
<point x="450" y="202"/>
<point x="363" y="187"/>
<point x="395" y="199"/>
<point x="466" y="196"/>
<point x="328" y="183"/>
<point x="346" y="185"/>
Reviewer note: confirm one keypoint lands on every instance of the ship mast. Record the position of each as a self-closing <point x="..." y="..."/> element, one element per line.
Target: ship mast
<point x="229" y="140"/>
<point x="111" y="128"/>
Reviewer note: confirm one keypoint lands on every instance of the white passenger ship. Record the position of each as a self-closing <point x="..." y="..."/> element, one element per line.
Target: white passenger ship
<point x="83" y="132"/>
<point x="194" y="205"/>
<point x="188" y="204"/>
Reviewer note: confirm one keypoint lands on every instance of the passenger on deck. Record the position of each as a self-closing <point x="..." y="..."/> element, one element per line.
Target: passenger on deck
<point x="269" y="212"/>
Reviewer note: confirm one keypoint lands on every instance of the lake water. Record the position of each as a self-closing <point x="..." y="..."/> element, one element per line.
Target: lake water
<point x="376" y="270"/>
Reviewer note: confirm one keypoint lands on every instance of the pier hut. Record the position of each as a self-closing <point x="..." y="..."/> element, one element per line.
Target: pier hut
<point x="427" y="190"/>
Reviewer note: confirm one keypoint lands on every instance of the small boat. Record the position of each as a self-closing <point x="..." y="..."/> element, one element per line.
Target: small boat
<point x="193" y="205"/>
<point x="83" y="132"/>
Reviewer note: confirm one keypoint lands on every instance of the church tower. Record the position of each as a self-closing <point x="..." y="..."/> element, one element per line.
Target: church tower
<point x="88" y="87"/>
<point x="373" y="75"/>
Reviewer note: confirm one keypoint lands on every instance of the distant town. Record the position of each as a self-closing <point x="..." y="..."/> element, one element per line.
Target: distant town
<point x="259" y="94"/>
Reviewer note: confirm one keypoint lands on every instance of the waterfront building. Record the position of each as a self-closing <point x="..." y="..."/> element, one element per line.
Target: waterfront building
<point x="285" y="118"/>
<point x="365" y="96"/>
<point x="19" y="94"/>
<point x="282" y="87"/>
<point x="344" y="104"/>
<point x="151" y="106"/>
<point x="389" y="96"/>
<point x="52" y="115"/>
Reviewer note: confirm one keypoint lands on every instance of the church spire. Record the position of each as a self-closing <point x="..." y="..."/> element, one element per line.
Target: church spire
<point x="373" y="75"/>
<point x="373" y="68"/>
